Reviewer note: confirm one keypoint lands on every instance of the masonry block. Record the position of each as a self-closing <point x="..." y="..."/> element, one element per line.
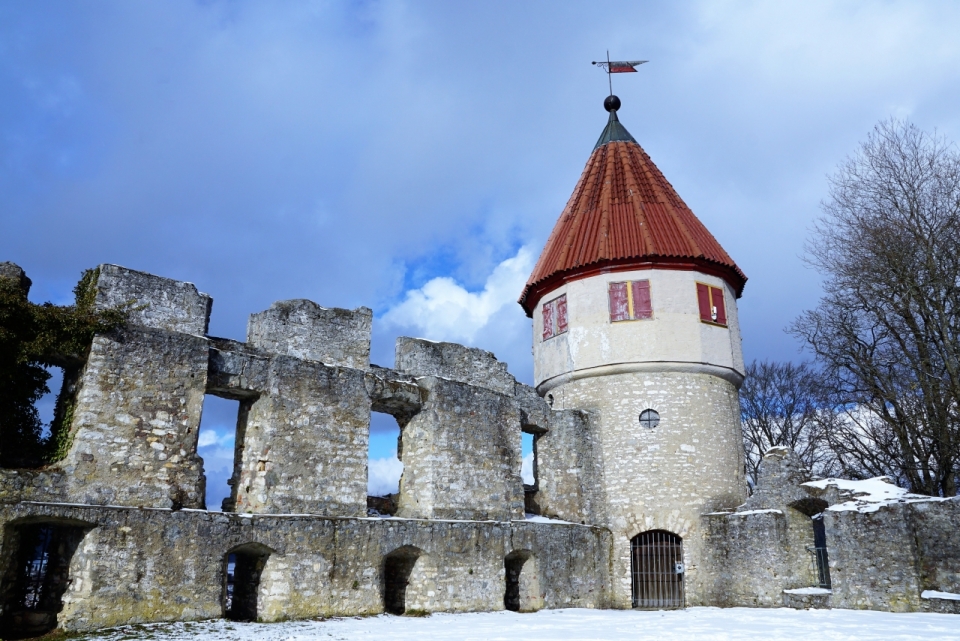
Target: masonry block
<point x="303" y="329"/>
<point x="153" y="301"/>
<point x="461" y="455"/>
<point x="137" y="419"/>
<point x="302" y="444"/>
<point x="420" y="357"/>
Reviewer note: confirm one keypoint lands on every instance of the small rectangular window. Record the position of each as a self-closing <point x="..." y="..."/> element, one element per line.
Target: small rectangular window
<point x="711" y="303"/>
<point x="547" y="320"/>
<point x="555" y="317"/>
<point x="562" y="314"/>
<point x="630" y="300"/>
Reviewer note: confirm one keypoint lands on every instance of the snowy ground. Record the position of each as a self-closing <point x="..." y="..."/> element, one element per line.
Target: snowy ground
<point x="570" y="625"/>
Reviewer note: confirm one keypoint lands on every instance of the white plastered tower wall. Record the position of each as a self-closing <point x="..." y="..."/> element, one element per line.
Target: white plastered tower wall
<point x="687" y="370"/>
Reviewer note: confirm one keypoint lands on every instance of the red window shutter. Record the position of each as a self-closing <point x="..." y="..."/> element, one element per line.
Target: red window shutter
<point x="547" y="320"/>
<point x="641" y="299"/>
<point x="703" y="297"/>
<point x="562" y="314"/>
<point x="717" y="295"/>
<point x="619" y="310"/>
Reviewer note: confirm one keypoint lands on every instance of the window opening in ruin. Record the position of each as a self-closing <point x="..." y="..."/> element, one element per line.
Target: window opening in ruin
<point x="819" y="551"/>
<point x="649" y="418"/>
<point x="397" y="567"/>
<point x="529" y="469"/>
<point x="220" y="422"/>
<point x="32" y="592"/>
<point x="657" y="570"/>
<point x="383" y="464"/>
<point x="241" y="585"/>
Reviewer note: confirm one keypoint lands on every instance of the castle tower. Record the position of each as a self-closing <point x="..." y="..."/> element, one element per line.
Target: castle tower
<point x="635" y="319"/>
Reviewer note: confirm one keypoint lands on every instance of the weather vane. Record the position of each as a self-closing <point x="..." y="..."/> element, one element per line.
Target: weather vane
<point x="618" y="66"/>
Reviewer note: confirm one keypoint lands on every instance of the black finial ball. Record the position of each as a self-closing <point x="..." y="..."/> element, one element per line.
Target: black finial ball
<point x="611" y="103"/>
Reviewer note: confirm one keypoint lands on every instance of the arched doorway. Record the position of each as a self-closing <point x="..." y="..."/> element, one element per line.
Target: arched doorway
<point x="37" y="575"/>
<point x="522" y="592"/>
<point x="397" y="567"/>
<point x="656" y="568"/>
<point x="243" y="566"/>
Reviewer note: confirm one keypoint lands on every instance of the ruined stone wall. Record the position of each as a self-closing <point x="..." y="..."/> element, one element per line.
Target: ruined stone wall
<point x="147" y="565"/>
<point x="881" y="556"/>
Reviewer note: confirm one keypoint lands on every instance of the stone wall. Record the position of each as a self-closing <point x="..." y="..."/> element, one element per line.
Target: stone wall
<point x="131" y="486"/>
<point x="882" y="555"/>
<point x="147" y="565"/>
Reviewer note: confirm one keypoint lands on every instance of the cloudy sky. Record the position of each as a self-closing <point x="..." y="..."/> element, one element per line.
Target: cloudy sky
<point x="413" y="156"/>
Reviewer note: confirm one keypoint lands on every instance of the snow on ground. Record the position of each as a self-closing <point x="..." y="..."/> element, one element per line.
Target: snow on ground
<point x="575" y="625"/>
<point x="870" y="495"/>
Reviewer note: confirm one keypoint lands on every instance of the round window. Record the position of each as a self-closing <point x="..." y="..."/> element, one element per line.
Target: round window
<point x="649" y="418"/>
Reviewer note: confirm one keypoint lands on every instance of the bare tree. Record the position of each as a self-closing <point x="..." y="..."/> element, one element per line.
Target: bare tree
<point x="887" y="330"/>
<point x="782" y="404"/>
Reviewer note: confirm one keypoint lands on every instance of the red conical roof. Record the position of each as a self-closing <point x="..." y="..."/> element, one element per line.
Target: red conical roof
<point x="623" y="215"/>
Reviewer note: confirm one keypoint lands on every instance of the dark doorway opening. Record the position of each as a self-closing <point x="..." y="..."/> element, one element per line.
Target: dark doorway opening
<point x="656" y="560"/>
<point x="397" y="567"/>
<point x="38" y="576"/>
<point x="513" y="566"/>
<point x="241" y="589"/>
<point x="819" y="551"/>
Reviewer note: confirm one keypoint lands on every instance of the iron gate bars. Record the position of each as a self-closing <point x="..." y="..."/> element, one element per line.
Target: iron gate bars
<point x="656" y="560"/>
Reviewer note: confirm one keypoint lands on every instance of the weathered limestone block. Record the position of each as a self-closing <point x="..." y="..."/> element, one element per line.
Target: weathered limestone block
<point x="749" y="558"/>
<point x="154" y="301"/>
<point x="235" y="370"/>
<point x="302" y="444"/>
<point x="15" y="272"/>
<point x="470" y="365"/>
<point x="534" y="411"/>
<point x="569" y="469"/>
<point x="303" y="329"/>
<point x="136" y="422"/>
<point x="393" y="393"/>
<point x="936" y="525"/>
<point x="779" y="485"/>
<point x="461" y="455"/>
<point x="873" y="559"/>
<point x="141" y="566"/>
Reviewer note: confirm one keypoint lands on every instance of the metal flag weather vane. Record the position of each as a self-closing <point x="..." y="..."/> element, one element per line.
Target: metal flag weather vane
<point x="618" y="66"/>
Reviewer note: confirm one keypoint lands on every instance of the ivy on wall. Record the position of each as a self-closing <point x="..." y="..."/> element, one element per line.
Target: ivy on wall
<point x="33" y="337"/>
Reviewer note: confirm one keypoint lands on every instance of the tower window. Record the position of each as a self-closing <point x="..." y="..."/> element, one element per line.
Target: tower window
<point x="712" y="308"/>
<point x="630" y="300"/>
<point x="649" y="418"/>
<point x="555" y="317"/>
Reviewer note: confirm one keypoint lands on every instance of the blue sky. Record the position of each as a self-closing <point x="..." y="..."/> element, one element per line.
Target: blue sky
<point x="396" y="154"/>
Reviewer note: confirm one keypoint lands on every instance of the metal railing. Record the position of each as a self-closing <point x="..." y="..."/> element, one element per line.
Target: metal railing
<point x="822" y="565"/>
<point x="657" y="570"/>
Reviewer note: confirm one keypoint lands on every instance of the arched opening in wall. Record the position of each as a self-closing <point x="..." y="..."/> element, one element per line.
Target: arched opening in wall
<point x="37" y="556"/>
<point x="242" y="569"/>
<point x="814" y="507"/>
<point x="819" y="551"/>
<point x="223" y="422"/>
<point x="522" y="591"/>
<point x="657" y="570"/>
<point x="397" y="567"/>
<point x="529" y="467"/>
<point x="384" y="468"/>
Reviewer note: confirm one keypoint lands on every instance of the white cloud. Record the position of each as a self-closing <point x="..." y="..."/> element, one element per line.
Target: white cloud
<point x="444" y="310"/>
<point x="526" y="469"/>
<point x="383" y="476"/>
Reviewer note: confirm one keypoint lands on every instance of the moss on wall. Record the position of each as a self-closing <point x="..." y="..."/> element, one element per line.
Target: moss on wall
<point x="32" y="338"/>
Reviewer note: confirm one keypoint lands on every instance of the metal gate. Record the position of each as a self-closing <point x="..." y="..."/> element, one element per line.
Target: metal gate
<point x="656" y="560"/>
